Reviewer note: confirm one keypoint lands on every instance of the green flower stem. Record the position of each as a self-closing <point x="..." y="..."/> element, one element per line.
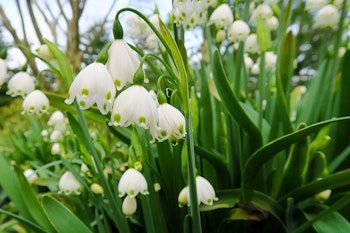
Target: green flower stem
<point x="120" y="220"/>
<point x="239" y="65"/>
<point x="191" y="171"/>
<point x="146" y="58"/>
<point x="261" y="88"/>
<point x="154" y="29"/>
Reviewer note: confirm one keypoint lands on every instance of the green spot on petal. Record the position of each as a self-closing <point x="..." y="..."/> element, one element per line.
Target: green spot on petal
<point x="181" y="129"/>
<point x="142" y="120"/>
<point x="117" y="82"/>
<point x="117" y="118"/>
<point x="82" y="103"/>
<point x="109" y="95"/>
<point x="84" y="91"/>
<point x="132" y="192"/>
<point x="163" y="133"/>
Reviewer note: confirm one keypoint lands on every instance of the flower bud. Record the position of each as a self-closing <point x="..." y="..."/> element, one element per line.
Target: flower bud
<point x="129" y="205"/>
<point x="44" y="52"/>
<point x="220" y="36"/>
<point x="323" y="196"/>
<point x="97" y="189"/>
<point x="30" y="175"/>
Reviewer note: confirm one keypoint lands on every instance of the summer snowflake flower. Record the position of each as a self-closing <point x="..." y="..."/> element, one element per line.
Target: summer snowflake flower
<point x="35" y="102"/>
<point x="30" y="175"/>
<point x="189" y="13"/>
<point x="69" y="184"/>
<point x="134" y="105"/>
<point x="251" y="44"/>
<point x="129" y="205"/>
<point x="238" y="31"/>
<point x="122" y="63"/>
<point x="20" y="84"/>
<point x="312" y="5"/>
<point x="261" y="11"/>
<point x="3" y="71"/>
<point x="205" y="193"/>
<point x="92" y="85"/>
<point x="171" y="124"/>
<point x="132" y="183"/>
<point x="57" y="121"/>
<point x="272" y="23"/>
<point x="328" y="16"/>
<point x="222" y="16"/>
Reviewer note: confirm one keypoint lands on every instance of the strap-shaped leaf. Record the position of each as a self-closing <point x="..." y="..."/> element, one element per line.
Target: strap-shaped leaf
<point x="267" y="152"/>
<point x="232" y="104"/>
<point x="63" y="220"/>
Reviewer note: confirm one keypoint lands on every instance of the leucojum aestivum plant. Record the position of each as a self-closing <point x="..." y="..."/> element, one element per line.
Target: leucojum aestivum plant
<point x="148" y="139"/>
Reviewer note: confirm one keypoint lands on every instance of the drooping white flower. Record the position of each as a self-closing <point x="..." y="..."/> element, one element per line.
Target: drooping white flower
<point x="205" y="193"/>
<point x="327" y="16"/>
<point x="132" y="183"/>
<point x="57" y="121"/>
<point x="312" y="5"/>
<point x="270" y="60"/>
<point x="30" y="175"/>
<point x="92" y="85"/>
<point x="129" y="205"/>
<point x="20" y="84"/>
<point x="189" y="13"/>
<point x="171" y="124"/>
<point x="238" y="31"/>
<point x="263" y="11"/>
<point x="272" y="23"/>
<point x="251" y="44"/>
<point x="122" y="63"/>
<point x="255" y="70"/>
<point x="134" y="105"/>
<point x="69" y="184"/>
<point x="222" y="16"/>
<point x="44" y="52"/>
<point x="55" y="148"/>
<point x="3" y="71"/>
<point x="35" y="102"/>
<point x="56" y="136"/>
<point x="248" y="61"/>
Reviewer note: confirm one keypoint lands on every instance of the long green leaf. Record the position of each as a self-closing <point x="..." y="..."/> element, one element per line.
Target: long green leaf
<point x="25" y="222"/>
<point x="62" y="218"/>
<point x="10" y="184"/>
<point x="336" y="180"/>
<point x="267" y="152"/>
<point x="32" y="203"/>
<point x="332" y="222"/>
<point x="232" y="104"/>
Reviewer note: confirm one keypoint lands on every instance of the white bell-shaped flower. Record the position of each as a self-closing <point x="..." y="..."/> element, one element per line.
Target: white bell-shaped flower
<point x="171" y="124"/>
<point x="134" y="105"/>
<point x="92" y="85"/>
<point x="251" y="44"/>
<point x="30" y="175"/>
<point x="312" y="5"/>
<point x="132" y="183"/>
<point x="57" y="121"/>
<point x="129" y="205"/>
<point x="20" y="84"/>
<point x="55" y="148"/>
<point x="248" y="61"/>
<point x="270" y="60"/>
<point x="69" y="184"/>
<point x="56" y="136"/>
<point x="189" y="13"/>
<point x="272" y="23"/>
<point x="327" y="16"/>
<point x="263" y="11"/>
<point x="222" y="16"/>
<point x="35" y="102"/>
<point x="3" y="71"/>
<point x="122" y="63"/>
<point x="206" y="192"/>
<point x="238" y="31"/>
<point x="44" y="52"/>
